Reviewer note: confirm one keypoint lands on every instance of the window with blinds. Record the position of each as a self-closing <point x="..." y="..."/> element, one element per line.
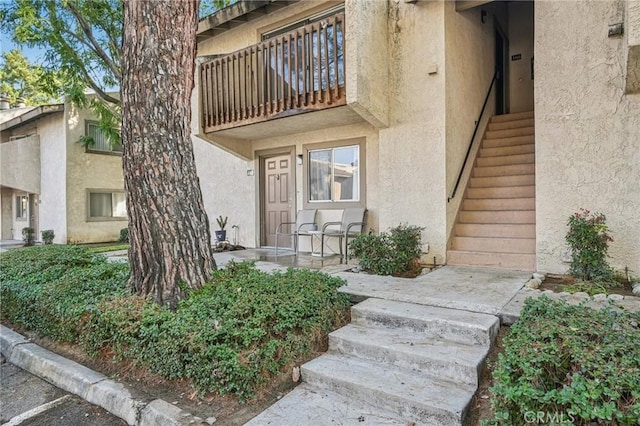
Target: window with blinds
<point x="100" y="142"/>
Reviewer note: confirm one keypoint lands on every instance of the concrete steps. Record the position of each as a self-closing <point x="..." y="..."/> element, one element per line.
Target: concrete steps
<point x="496" y="222"/>
<point x="395" y="363"/>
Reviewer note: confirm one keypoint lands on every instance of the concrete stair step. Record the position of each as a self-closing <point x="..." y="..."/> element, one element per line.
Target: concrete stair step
<point x="508" y="141"/>
<point x="509" y="133"/>
<point x="309" y="405"/>
<point x="525" y="191"/>
<point x="407" y="349"/>
<point x="498" y="204"/>
<point x="510" y="170"/>
<point x="527" y="148"/>
<point x="511" y="124"/>
<point x="505" y="160"/>
<point x="492" y="230"/>
<point x="494" y="245"/>
<point x="502" y="181"/>
<point x="517" y="261"/>
<point x="432" y="322"/>
<point x="406" y="393"/>
<point x="512" y="116"/>
<point x="498" y="217"/>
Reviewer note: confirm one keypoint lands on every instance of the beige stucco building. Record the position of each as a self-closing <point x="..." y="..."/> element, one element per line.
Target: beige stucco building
<point x="48" y="180"/>
<point x="374" y="103"/>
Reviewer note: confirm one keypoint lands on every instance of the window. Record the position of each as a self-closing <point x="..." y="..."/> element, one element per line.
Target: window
<point x="107" y="205"/>
<point x="22" y="206"/>
<point x="99" y="140"/>
<point x="334" y="174"/>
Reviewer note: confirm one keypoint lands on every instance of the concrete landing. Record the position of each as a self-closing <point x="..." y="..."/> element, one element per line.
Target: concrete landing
<point x="483" y="290"/>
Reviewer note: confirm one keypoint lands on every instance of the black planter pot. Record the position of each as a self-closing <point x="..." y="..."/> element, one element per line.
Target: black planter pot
<point x="221" y="235"/>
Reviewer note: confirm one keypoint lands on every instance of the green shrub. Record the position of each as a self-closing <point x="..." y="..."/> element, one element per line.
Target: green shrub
<point x="573" y="364"/>
<point x="230" y="336"/>
<point x="47" y="236"/>
<point x="28" y="236"/>
<point x="392" y="253"/>
<point x="124" y="235"/>
<point x="589" y="239"/>
<point x="49" y="289"/>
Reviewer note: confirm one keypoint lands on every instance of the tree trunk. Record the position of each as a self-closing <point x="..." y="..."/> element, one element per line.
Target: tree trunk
<point x="170" y="241"/>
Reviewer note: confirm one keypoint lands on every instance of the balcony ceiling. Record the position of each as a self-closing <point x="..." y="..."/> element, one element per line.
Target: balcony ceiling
<point x="307" y="122"/>
<point x="237" y="14"/>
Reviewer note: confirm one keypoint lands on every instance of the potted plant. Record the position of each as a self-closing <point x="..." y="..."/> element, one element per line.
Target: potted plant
<point x="221" y="234"/>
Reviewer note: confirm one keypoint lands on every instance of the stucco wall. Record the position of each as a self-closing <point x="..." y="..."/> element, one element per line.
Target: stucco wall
<point x="520" y="42"/>
<point x="52" y="199"/>
<point x="587" y="130"/>
<point x="411" y="180"/>
<point x="88" y="171"/>
<point x="367" y="58"/>
<point x="20" y="164"/>
<point x="469" y="66"/>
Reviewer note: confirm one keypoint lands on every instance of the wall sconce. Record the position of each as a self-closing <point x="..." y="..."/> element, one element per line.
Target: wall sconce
<point x="299" y="159"/>
<point x="483" y="16"/>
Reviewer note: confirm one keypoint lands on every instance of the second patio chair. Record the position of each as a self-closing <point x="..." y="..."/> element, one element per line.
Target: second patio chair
<point x="351" y="225"/>
<point x="305" y="222"/>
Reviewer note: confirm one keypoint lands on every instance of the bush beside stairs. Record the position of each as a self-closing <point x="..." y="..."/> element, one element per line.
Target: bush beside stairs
<point x="396" y="363"/>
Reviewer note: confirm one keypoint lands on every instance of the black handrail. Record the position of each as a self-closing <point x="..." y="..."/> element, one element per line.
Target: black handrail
<point x="475" y="131"/>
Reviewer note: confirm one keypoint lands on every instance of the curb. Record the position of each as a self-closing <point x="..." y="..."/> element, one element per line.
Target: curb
<point x="89" y="385"/>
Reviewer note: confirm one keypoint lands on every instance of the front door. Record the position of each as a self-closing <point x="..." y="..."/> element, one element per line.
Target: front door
<point x="33" y="215"/>
<point x="277" y="198"/>
<point x="501" y="71"/>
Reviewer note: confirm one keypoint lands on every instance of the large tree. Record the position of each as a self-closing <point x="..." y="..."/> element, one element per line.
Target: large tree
<point x="20" y="78"/>
<point x="170" y="250"/>
<point x="169" y="232"/>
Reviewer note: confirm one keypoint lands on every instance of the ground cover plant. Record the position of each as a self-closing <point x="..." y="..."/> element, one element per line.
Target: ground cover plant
<point x="396" y="252"/>
<point x="566" y="364"/>
<point x="229" y="337"/>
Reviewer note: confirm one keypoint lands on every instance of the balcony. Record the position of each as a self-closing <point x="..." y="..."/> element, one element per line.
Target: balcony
<point x="290" y="74"/>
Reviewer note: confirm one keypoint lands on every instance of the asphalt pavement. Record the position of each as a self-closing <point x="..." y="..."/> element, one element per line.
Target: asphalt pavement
<point x="28" y="400"/>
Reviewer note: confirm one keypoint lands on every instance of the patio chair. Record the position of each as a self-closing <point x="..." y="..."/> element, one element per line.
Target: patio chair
<point x="351" y="225"/>
<point x="305" y="222"/>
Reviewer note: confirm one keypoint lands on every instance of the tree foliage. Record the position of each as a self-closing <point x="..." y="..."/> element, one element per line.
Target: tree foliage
<point x="21" y="79"/>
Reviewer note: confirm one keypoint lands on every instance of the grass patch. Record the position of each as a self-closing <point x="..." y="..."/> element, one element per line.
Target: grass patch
<point x="570" y="365"/>
<point x="104" y="249"/>
<point x="230" y="337"/>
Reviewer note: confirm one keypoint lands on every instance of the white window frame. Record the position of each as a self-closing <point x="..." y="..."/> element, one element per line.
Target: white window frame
<point x="104" y="218"/>
<point x="113" y="150"/>
<point x="22" y="207"/>
<point x="335" y="204"/>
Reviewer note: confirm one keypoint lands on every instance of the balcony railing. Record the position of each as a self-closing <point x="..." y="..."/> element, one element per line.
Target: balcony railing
<point x="302" y="70"/>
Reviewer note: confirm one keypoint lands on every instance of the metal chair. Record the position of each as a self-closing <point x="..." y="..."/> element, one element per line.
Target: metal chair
<point x="305" y="222"/>
<point x="351" y="225"/>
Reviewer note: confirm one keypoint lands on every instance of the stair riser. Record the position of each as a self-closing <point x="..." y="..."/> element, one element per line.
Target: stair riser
<point x="528" y="191"/>
<point x="512" y="170"/>
<point x="513" y="124"/>
<point x="494" y="245"/>
<point x="506" y="160"/>
<point x="409" y="410"/>
<point x="512" y="117"/>
<point x="434" y="367"/>
<point x="507" y="150"/>
<point x="508" y="142"/>
<point x="500" y="204"/>
<point x="499" y="231"/>
<point x="493" y="260"/>
<point x="509" y="133"/>
<point x="455" y="332"/>
<point x="498" y="217"/>
<point x="502" y="181"/>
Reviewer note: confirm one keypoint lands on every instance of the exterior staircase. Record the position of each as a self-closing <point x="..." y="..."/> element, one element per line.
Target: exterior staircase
<point x="396" y="363"/>
<point x="496" y="223"/>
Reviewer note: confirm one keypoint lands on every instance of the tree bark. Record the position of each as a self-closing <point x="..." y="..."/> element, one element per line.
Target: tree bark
<point x="170" y="240"/>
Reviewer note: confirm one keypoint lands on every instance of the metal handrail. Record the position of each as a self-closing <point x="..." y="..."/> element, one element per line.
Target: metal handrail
<point x="475" y="131"/>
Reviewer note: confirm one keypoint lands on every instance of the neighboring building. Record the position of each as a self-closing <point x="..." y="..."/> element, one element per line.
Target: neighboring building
<point x="373" y="103"/>
<point x="50" y="181"/>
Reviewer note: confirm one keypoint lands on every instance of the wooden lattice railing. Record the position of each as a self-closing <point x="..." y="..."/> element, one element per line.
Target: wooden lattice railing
<point x="302" y="70"/>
